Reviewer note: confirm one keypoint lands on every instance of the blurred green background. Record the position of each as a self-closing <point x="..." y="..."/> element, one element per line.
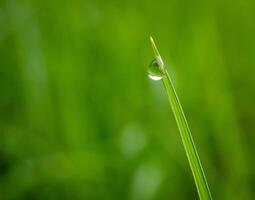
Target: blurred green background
<point x="79" y="118"/>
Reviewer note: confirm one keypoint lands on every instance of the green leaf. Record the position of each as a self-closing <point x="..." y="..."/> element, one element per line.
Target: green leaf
<point x="187" y="140"/>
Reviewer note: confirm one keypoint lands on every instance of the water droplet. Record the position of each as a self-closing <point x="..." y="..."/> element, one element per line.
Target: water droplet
<point x="155" y="69"/>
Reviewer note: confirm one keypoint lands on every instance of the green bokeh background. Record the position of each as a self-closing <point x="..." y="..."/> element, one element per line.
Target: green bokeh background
<point x="79" y="118"/>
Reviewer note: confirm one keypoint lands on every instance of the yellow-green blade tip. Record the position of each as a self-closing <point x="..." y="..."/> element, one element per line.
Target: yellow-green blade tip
<point x="156" y="52"/>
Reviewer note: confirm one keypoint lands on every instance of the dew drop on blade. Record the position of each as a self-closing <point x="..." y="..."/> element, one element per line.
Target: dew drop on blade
<point x="154" y="70"/>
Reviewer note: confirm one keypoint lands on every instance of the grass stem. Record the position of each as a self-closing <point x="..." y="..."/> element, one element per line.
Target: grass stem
<point x="187" y="140"/>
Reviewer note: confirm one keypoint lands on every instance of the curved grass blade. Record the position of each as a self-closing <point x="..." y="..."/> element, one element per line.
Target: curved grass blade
<point x="187" y="140"/>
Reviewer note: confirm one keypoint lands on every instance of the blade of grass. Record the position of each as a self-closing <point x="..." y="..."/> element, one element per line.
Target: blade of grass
<point x="187" y="140"/>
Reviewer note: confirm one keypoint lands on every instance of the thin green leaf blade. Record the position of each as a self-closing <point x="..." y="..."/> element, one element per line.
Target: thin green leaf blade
<point x="187" y="140"/>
